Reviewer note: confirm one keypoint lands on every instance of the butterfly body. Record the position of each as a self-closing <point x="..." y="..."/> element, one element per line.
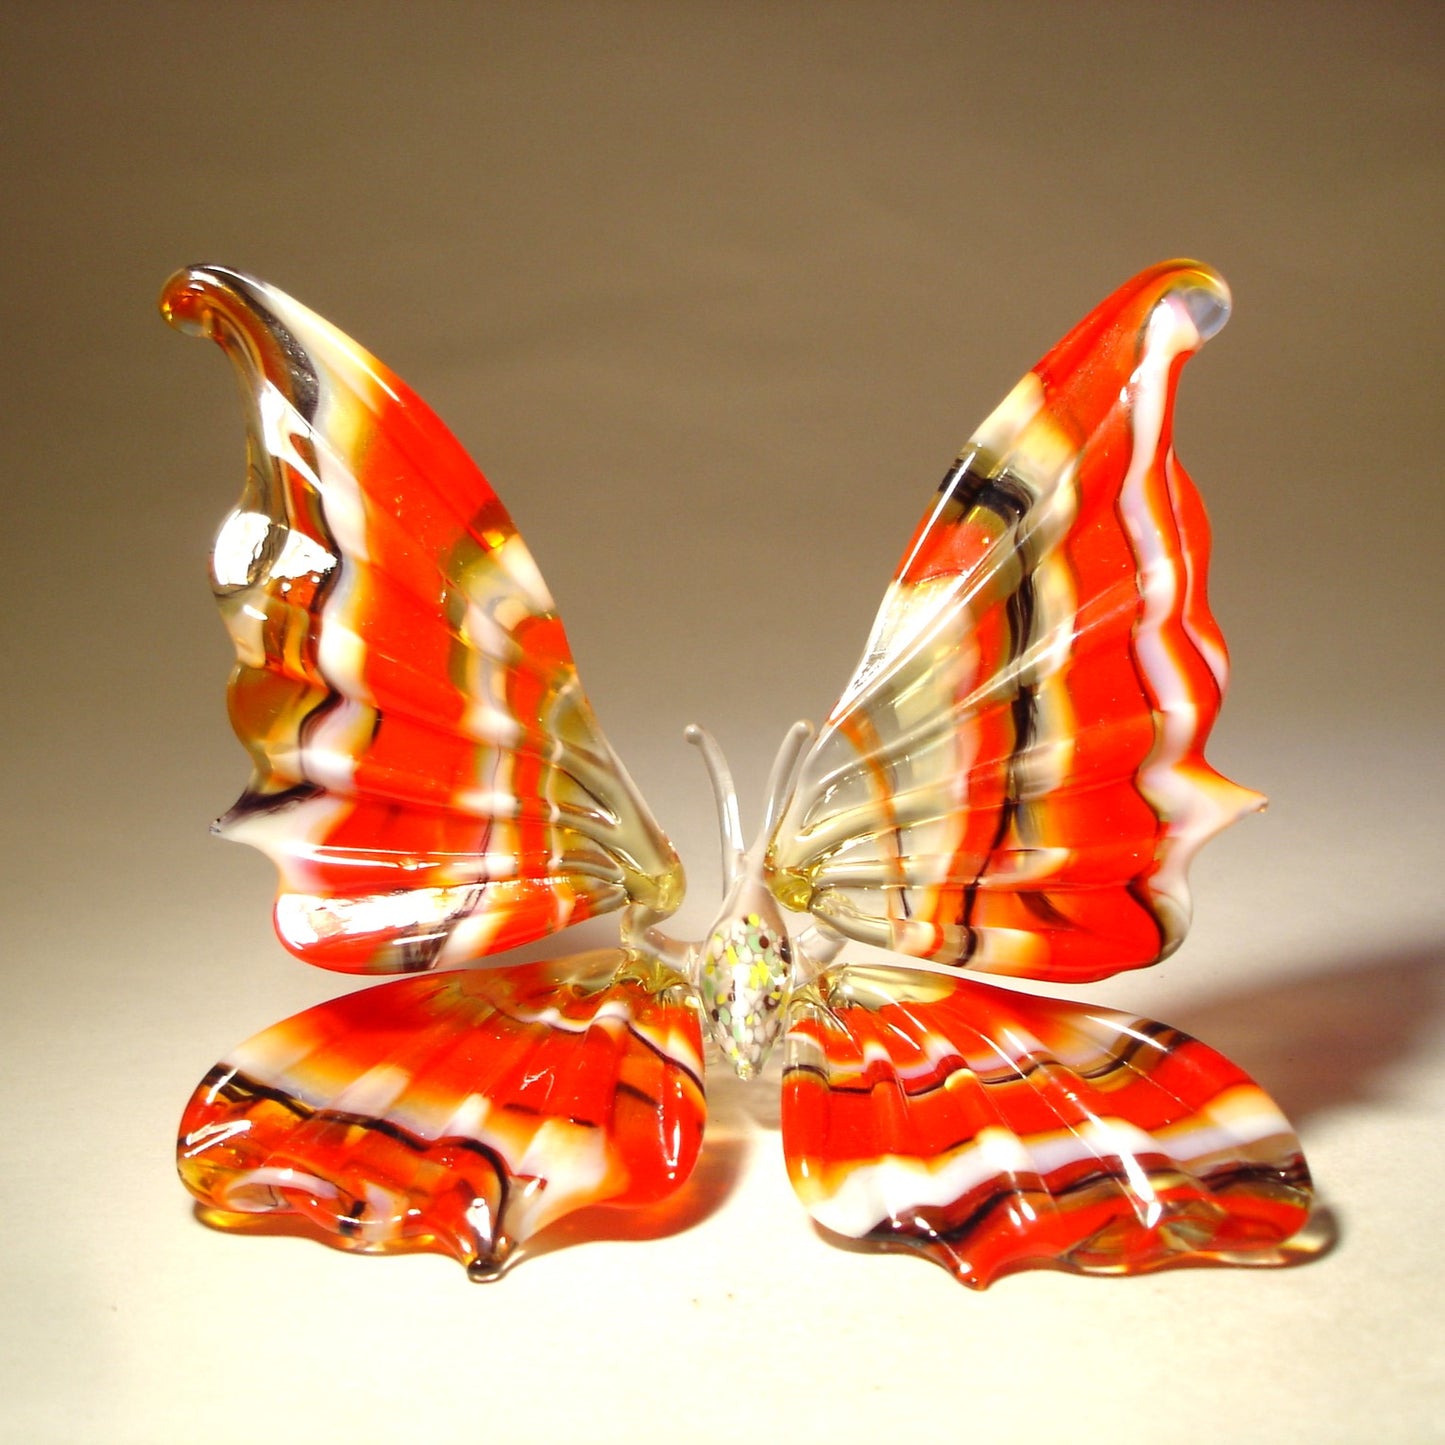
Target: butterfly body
<point x="1013" y="782"/>
<point x="745" y="980"/>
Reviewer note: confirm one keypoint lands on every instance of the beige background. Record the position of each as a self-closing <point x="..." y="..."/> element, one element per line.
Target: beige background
<point x="713" y="292"/>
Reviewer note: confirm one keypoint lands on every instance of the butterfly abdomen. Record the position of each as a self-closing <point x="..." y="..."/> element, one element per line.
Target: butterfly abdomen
<point x="745" y="979"/>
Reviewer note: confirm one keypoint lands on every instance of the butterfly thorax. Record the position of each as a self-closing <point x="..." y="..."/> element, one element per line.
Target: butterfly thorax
<point x="746" y="966"/>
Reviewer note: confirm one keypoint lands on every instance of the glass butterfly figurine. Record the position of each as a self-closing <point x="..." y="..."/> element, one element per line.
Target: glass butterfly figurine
<point x="1012" y="782"/>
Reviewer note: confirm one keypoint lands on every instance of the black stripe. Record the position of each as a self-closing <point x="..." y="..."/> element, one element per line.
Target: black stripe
<point x="240" y="1088"/>
<point x="252" y="803"/>
<point x="1138" y="889"/>
<point x="971" y="488"/>
<point x="243" y="1088"/>
<point x="1168" y="1038"/>
<point x="1291" y="1175"/>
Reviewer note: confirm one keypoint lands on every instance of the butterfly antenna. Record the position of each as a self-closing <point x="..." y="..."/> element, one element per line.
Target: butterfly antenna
<point x="729" y="823"/>
<point x="785" y="766"/>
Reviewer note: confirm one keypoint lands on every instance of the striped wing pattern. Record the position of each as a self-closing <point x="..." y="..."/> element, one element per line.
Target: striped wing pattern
<point x="993" y="1130"/>
<point x="427" y="773"/>
<point x="457" y="1113"/>
<point x="1014" y="781"/>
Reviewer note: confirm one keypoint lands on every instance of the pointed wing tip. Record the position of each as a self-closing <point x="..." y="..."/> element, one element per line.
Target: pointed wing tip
<point x="1231" y="800"/>
<point x="182" y="301"/>
<point x="1247" y="801"/>
<point x="189" y="297"/>
<point x="1208" y="305"/>
<point x="1199" y="289"/>
<point x="1226" y="803"/>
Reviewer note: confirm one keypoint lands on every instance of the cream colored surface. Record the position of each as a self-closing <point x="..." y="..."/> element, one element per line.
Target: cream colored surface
<point x="714" y="293"/>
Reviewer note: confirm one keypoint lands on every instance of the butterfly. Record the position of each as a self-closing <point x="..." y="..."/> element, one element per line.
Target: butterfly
<point x="1011" y="783"/>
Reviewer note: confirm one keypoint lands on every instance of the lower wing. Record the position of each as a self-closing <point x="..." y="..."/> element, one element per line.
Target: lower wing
<point x="993" y="1131"/>
<point x="457" y="1113"/>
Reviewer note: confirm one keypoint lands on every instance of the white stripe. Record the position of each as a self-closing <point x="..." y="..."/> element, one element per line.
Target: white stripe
<point x="895" y="1185"/>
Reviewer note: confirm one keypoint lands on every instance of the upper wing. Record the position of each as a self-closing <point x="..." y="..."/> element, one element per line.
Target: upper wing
<point x="1014" y="778"/>
<point x="428" y="775"/>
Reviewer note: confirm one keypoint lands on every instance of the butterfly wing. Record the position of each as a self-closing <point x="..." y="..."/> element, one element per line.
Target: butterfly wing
<point x="458" y="1112"/>
<point x="428" y="776"/>
<point x="1014" y="780"/>
<point x="992" y="1130"/>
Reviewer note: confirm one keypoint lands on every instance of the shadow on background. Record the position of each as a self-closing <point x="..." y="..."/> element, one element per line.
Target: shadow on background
<point x="1333" y="1037"/>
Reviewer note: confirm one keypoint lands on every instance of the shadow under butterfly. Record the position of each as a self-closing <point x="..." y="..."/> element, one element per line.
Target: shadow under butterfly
<point x="1012" y="782"/>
